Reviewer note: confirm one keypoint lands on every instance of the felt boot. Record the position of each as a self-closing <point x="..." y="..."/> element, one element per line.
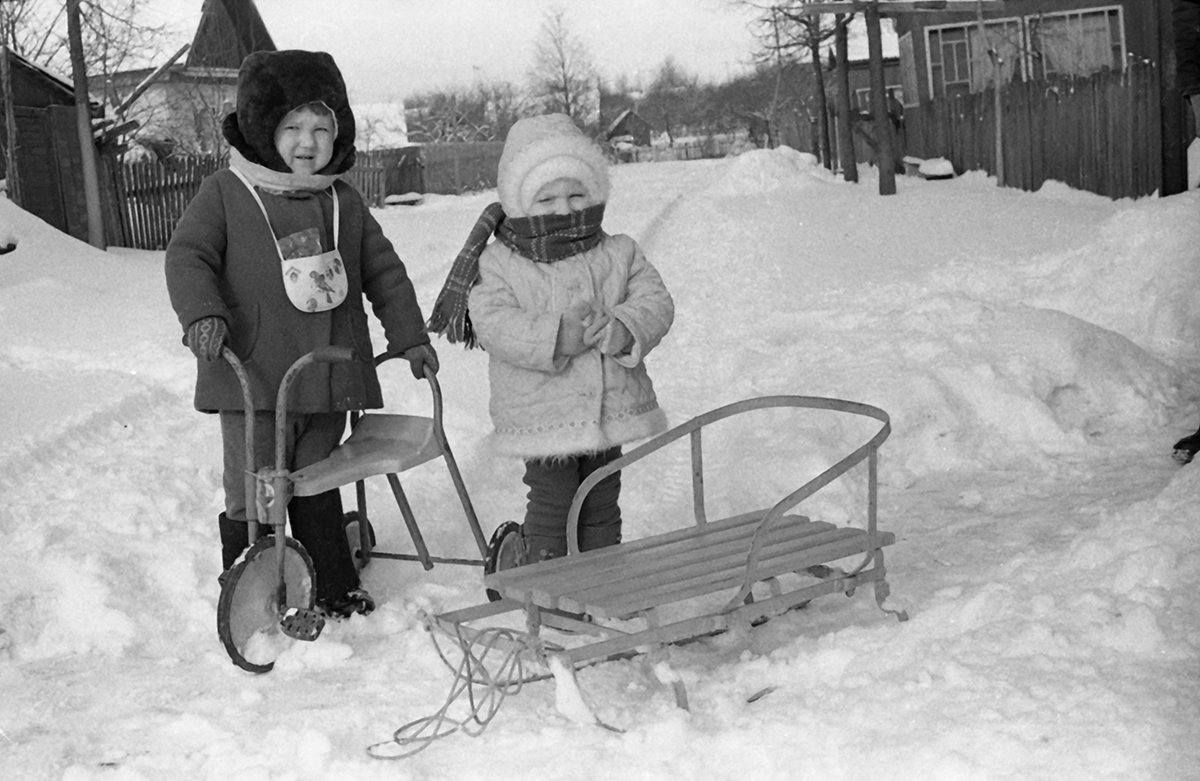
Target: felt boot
<point x="317" y="524"/>
<point x="1185" y="449"/>
<point x="235" y="538"/>
<point x="540" y="546"/>
<point x="600" y="516"/>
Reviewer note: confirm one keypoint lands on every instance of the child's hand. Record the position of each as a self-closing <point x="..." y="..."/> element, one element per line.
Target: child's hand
<point x="579" y="328"/>
<point x="615" y="340"/>
<point x="570" y="336"/>
<point x="206" y="337"/>
<point x="419" y="357"/>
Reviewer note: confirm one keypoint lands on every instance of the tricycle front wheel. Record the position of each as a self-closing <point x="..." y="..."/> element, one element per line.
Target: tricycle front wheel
<point x="248" y="616"/>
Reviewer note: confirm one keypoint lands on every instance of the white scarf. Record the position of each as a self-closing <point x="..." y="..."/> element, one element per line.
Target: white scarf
<point x="277" y="181"/>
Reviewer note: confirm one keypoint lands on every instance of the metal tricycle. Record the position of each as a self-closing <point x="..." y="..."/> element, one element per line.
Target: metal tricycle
<point x="268" y="595"/>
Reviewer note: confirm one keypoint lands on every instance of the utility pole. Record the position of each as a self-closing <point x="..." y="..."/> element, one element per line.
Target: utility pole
<point x="1172" y="122"/>
<point x="997" y="103"/>
<point x="879" y="109"/>
<point x="845" y="129"/>
<point x="83" y="114"/>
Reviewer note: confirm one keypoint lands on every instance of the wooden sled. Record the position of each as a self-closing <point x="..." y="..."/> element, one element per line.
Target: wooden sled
<point x="714" y="562"/>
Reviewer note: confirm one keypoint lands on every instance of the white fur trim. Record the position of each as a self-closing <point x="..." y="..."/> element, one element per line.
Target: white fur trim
<point x="561" y="167"/>
<point x="572" y="440"/>
<point x="537" y="140"/>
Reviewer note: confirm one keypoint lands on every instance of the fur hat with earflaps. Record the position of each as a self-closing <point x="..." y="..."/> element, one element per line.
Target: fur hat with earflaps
<point x="270" y="84"/>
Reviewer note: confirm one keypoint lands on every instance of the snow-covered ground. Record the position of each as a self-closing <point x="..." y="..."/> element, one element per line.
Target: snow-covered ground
<point x="1038" y="356"/>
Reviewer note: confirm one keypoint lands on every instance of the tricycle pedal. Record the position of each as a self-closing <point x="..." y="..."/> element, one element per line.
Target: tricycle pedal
<point x="302" y="624"/>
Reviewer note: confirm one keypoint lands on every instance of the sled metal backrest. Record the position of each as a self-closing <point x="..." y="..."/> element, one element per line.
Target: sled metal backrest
<point x="693" y="428"/>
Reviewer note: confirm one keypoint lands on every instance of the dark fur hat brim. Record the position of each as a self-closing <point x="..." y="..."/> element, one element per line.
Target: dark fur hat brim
<point x="270" y="84"/>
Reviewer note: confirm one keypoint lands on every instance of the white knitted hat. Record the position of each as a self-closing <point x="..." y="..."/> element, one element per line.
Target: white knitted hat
<point x="544" y="148"/>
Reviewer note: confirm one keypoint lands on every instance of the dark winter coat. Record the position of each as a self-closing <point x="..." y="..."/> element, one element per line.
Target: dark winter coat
<point x="222" y="262"/>
<point x="1187" y="45"/>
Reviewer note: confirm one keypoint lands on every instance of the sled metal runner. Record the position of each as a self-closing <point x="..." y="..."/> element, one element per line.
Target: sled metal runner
<point x="715" y="562"/>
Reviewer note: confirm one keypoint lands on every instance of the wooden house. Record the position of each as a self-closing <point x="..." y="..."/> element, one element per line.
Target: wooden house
<point x="1086" y="88"/>
<point x="859" y="76"/>
<point x="48" y="159"/>
<point x="182" y="109"/>
<point x="630" y="123"/>
<point x="946" y="53"/>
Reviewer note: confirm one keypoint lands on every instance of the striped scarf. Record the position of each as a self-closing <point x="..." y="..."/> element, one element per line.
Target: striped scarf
<point x="542" y="239"/>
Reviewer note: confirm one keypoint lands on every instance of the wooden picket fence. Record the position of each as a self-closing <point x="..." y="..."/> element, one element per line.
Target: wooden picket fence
<point x="145" y="199"/>
<point x="1100" y="133"/>
<point x="149" y="197"/>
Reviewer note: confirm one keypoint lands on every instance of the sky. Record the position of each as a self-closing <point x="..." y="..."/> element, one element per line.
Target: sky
<point x="392" y="48"/>
<point x="1037" y="354"/>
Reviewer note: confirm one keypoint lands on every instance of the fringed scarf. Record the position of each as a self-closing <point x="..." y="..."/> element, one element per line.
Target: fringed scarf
<point x="542" y="239"/>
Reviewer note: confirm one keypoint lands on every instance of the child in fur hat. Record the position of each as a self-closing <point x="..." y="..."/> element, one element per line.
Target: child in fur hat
<point x="567" y="314"/>
<point x="272" y="258"/>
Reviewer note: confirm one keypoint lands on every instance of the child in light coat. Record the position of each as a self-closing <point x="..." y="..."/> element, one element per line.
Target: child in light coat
<point x="567" y="314"/>
<point x="272" y="259"/>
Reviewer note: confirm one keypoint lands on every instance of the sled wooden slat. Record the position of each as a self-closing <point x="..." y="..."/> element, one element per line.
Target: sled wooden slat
<point x="627" y="578"/>
<point x="600" y="563"/>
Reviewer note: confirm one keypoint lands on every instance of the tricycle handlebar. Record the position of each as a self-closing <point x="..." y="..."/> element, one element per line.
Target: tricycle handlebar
<point x="333" y="354"/>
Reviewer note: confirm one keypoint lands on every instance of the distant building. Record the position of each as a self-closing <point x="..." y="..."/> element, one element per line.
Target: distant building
<point x="630" y="123"/>
<point x="49" y="162"/>
<point x="184" y="107"/>
<point x="945" y="53"/>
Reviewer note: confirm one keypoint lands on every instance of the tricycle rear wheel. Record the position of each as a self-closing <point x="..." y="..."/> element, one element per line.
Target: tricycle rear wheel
<point x="352" y="525"/>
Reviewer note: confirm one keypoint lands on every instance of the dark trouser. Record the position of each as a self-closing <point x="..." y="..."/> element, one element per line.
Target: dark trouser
<point x="552" y="484"/>
<point x="316" y="521"/>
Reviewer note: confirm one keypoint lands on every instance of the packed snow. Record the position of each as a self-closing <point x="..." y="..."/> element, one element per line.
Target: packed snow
<point x="1037" y="353"/>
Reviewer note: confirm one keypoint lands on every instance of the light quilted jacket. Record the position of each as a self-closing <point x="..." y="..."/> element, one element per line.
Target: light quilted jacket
<point x="546" y="406"/>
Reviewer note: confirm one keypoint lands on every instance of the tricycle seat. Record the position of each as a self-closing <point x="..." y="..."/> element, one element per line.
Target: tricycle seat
<point x="380" y="444"/>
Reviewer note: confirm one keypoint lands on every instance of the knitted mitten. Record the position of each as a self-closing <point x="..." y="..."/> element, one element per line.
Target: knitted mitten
<point x="419" y="357"/>
<point x="206" y="337"/>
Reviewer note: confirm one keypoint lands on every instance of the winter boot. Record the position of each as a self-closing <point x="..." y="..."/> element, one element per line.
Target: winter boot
<point x="355" y="600"/>
<point x="235" y="538"/>
<point x="1186" y="448"/>
<point x="600" y="516"/>
<point x="317" y="524"/>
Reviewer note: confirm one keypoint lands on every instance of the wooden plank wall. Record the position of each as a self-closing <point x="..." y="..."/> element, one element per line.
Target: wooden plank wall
<point x="1099" y="134"/>
<point x="452" y="169"/>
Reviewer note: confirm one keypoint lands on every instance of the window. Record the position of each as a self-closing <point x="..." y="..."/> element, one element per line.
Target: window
<point x="963" y="59"/>
<point x="1077" y="43"/>
<point x="862" y="98"/>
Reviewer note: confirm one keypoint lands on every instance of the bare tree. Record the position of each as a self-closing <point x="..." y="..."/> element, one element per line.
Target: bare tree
<point x="482" y="113"/>
<point x="111" y="34"/>
<point x="673" y="99"/>
<point x="787" y="35"/>
<point x="563" y="76"/>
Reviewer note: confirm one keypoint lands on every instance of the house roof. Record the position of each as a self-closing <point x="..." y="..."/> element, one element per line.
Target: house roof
<point x="228" y="31"/>
<point x="626" y="114"/>
<point x="55" y="83"/>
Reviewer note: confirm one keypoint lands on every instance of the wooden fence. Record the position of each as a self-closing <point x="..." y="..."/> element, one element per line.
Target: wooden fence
<point x="453" y="169"/>
<point x="145" y="199"/>
<point x="149" y="197"/>
<point x="1100" y="134"/>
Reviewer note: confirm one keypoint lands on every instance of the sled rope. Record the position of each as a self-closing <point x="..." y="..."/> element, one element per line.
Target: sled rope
<point x="470" y="674"/>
